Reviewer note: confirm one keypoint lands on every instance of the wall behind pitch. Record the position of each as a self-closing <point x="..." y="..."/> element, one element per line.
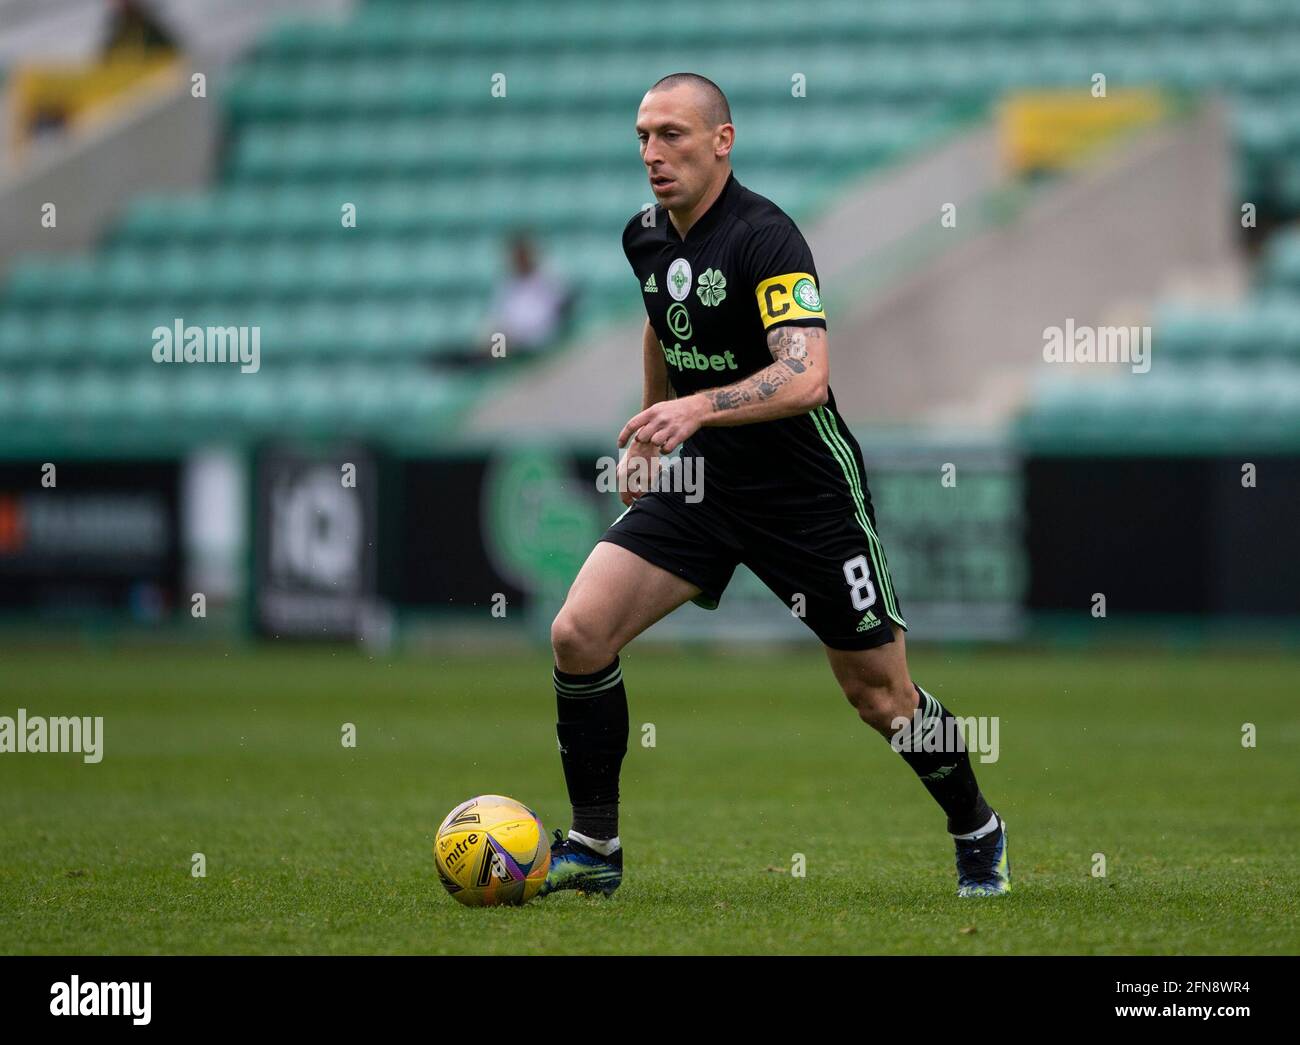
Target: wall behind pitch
<point x="1163" y="535"/>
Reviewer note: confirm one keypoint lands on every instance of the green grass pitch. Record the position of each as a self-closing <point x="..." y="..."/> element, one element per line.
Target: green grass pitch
<point x="312" y="847"/>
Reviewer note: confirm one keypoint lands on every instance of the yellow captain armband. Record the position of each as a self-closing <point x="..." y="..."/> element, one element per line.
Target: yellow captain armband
<point x="792" y="296"/>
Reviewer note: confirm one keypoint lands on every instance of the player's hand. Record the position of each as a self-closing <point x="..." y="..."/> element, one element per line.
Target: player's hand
<point x="637" y="470"/>
<point x="666" y="425"/>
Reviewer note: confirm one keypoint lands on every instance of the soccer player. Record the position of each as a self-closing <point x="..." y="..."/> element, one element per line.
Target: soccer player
<point x="736" y="372"/>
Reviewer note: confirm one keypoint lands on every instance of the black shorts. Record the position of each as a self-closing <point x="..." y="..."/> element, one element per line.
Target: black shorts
<point x="831" y="558"/>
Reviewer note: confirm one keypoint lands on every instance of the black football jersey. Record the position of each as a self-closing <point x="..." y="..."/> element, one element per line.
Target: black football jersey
<point x="743" y="269"/>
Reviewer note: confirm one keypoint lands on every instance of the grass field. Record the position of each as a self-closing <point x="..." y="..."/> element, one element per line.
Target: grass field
<point x="312" y="847"/>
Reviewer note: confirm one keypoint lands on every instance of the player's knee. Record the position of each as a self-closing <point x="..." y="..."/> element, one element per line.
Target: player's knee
<point x="568" y="637"/>
<point x="881" y="703"/>
<point x="579" y="647"/>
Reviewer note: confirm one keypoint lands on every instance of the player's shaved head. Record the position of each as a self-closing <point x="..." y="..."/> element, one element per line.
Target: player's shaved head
<point x="709" y="99"/>
<point x="684" y="126"/>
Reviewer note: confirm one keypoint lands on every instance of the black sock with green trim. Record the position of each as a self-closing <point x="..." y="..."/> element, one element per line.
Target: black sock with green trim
<point x="592" y="727"/>
<point x="945" y="770"/>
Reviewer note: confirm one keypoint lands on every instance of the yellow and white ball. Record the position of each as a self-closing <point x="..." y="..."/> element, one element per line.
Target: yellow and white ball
<point x="492" y="850"/>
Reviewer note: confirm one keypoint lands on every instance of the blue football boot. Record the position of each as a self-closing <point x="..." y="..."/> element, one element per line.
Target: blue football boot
<point x="579" y="867"/>
<point x="983" y="867"/>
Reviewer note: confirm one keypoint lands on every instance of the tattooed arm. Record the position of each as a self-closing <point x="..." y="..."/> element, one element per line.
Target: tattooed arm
<point x="795" y="382"/>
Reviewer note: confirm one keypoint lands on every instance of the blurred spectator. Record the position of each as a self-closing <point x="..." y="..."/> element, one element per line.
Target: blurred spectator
<point x="532" y="308"/>
<point x="134" y="30"/>
<point x="48" y="99"/>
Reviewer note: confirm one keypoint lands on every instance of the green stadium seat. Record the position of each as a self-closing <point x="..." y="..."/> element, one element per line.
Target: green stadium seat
<point x="390" y="110"/>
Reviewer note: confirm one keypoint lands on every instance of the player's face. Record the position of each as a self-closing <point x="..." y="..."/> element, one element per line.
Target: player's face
<point x="677" y="147"/>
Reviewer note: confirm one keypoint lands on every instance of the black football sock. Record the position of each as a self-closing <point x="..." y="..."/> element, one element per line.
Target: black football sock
<point x="946" y="773"/>
<point x="592" y="727"/>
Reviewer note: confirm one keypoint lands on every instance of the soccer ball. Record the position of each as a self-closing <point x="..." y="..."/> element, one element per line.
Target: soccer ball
<point x="492" y="850"/>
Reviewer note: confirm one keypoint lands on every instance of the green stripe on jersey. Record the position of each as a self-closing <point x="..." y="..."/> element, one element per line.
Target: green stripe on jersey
<point x="828" y="429"/>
